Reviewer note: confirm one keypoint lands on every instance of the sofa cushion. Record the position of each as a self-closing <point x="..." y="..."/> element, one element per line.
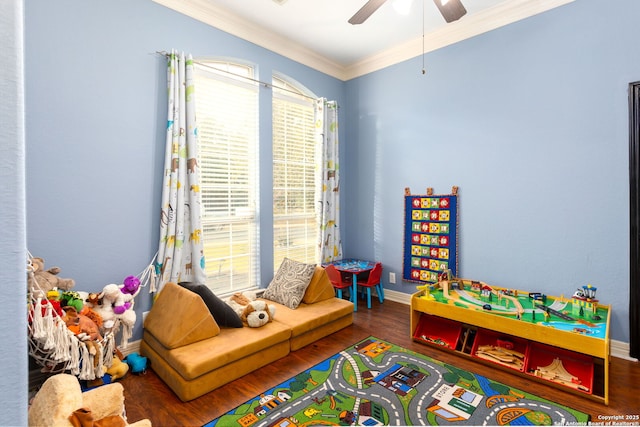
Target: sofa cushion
<point x="190" y="389"/>
<point x="220" y="310"/>
<point x="180" y="317"/>
<point x="230" y="345"/>
<point x="320" y="287"/>
<point x="311" y="316"/>
<point x="290" y="283"/>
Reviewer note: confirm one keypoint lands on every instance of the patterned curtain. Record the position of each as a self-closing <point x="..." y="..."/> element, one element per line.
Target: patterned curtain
<point x="328" y="188"/>
<point x="180" y="254"/>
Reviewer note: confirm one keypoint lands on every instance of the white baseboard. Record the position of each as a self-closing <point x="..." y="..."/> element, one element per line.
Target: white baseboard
<point x="618" y="349"/>
<point x="396" y="296"/>
<point x="132" y="347"/>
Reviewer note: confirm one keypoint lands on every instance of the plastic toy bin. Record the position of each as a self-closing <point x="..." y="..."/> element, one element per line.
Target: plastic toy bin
<point x="438" y="331"/>
<point x="507" y="348"/>
<point x="577" y="365"/>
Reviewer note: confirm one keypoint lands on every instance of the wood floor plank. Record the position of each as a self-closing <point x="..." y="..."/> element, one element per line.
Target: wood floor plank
<point x="148" y="397"/>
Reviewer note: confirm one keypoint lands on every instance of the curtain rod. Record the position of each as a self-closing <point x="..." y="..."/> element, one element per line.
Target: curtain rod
<point x="265" y="84"/>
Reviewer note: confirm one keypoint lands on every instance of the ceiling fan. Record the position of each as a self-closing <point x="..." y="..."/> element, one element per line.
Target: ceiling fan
<point x="451" y="10"/>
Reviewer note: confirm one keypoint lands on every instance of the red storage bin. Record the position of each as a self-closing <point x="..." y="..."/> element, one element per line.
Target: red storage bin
<point x="564" y="367"/>
<point x="437" y="330"/>
<point x="505" y="350"/>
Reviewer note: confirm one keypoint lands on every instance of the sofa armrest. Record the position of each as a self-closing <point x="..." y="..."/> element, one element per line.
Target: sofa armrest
<point x="104" y="401"/>
<point x="180" y="317"/>
<point x="320" y="287"/>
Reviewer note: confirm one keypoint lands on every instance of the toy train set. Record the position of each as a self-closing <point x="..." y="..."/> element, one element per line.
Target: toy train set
<point x="579" y="314"/>
<point x="512" y="343"/>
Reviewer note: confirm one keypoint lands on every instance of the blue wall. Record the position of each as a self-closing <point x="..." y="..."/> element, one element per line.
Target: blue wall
<point x="96" y="119"/>
<point x="531" y="122"/>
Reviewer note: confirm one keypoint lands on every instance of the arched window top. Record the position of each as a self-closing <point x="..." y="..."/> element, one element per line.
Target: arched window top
<point x="285" y="86"/>
<point x="229" y="68"/>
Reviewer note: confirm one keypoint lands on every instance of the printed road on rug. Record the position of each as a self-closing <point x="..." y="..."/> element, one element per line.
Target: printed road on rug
<point x="376" y="383"/>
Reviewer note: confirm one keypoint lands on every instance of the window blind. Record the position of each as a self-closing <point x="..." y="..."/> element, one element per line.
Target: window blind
<point x="227" y="114"/>
<point x="294" y="167"/>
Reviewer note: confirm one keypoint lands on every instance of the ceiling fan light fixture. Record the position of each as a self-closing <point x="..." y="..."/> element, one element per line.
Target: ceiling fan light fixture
<point x="451" y="10"/>
<point x="402" y="7"/>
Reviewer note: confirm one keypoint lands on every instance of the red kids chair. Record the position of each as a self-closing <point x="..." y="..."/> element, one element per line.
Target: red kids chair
<point x="373" y="281"/>
<point x="336" y="280"/>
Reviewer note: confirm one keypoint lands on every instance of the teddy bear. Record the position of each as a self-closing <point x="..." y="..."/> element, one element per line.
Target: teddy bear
<point x="255" y="313"/>
<point x="41" y="281"/>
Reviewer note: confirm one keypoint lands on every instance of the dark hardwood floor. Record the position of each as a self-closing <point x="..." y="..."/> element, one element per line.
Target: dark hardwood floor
<point x="148" y="397"/>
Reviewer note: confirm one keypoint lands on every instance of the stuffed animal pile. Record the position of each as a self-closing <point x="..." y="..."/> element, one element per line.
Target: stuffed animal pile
<point x="75" y="331"/>
<point x="253" y="312"/>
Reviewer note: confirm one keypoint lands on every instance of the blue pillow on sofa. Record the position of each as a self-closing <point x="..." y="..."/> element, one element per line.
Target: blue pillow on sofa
<point x="220" y="310"/>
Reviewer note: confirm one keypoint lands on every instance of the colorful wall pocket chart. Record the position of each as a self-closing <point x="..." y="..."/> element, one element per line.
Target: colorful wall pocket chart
<point x="430" y="235"/>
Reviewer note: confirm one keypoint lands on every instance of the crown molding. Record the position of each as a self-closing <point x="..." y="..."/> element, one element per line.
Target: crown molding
<point x="469" y="26"/>
<point x="205" y="11"/>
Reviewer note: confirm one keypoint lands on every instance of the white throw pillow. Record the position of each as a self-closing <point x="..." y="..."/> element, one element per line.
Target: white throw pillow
<point x="290" y="283"/>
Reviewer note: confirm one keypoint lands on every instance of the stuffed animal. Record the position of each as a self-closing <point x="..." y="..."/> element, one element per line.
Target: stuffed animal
<point x="119" y="301"/>
<point x="118" y="305"/>
<point x="72" y="299"/>
<point x="81" y="325"/>
<point x="255" y="313"/>
<point x="86" y="330"/>
<point x="118" y="369"/>
<point x="258" y="313"/>
<point x="41" y="281"/>
<point x="137" y="363"/>
<point x="93" y="300"/>
<point x="130" y="285"/>
<point x="54" y="295"/>
<point x="240" y="300"/>
<point x="95" y="303"/>
<point x="93" y="315"/>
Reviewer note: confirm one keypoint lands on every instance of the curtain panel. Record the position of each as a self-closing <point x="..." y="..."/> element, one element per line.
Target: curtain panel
<point x="328" y="187"/>
<point x="181" y="251"/>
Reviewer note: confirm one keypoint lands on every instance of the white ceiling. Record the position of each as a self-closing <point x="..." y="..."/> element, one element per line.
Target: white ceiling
<point x="316" y="32"/>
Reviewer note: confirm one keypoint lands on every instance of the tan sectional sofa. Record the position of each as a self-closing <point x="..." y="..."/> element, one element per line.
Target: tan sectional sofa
<point x="194" y="355"/>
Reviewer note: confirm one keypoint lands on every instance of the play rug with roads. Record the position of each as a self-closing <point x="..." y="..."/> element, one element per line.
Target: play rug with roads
<point x="375" y="383"/>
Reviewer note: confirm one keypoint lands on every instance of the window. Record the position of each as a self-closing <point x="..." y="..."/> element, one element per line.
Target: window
<point x="294" y="168"/>
<point x="227" y="114"/>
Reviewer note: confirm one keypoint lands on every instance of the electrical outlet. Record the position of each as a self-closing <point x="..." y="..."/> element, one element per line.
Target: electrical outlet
<point x="392" y="277"/>
<point x="144" y="316"/>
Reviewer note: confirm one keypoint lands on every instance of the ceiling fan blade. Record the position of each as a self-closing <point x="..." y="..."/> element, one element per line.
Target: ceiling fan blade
<point x="365" y="11"/>
<point x="451" y="10"/>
